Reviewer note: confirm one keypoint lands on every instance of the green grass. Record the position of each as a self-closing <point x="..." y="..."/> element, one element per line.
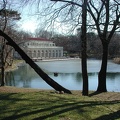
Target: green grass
<point x="47" y="105"/>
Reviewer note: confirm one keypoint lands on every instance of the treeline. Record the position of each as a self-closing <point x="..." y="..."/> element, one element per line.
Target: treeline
<point x="72" y="44"/>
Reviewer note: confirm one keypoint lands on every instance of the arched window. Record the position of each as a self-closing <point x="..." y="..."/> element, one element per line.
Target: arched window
<point x="59" y="53"/>
<point x="29" y="54"/>
<point x="38" y="53"/>
<point x="50" y="53"/>
<point x="56" y="53"/>
<point x="53" y="53"/>
<point x="34" y="53"/>
<point x="42" y="53"/>
<point x="46" y="54"/>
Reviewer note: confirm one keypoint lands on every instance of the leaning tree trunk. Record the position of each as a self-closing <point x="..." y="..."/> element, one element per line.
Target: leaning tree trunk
<point x="38" y="70"/>
<point x="103" y="71"/>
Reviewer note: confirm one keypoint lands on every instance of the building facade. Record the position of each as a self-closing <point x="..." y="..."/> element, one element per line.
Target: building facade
<point x="41" y="48"/>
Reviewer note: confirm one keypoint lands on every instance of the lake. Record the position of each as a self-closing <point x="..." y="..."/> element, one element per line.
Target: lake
<point x="69" y="75"/>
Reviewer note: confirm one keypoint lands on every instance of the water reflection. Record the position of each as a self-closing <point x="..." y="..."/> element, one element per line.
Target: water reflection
<point x="27" y="78"/>
<point x="113" y="81"/>
<point x="11" y="80"/>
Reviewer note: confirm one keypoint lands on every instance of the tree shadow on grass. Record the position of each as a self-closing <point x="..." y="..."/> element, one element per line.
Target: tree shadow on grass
<point x="111" y="116"/>
<point x="79" y="107"/>
<point x="94" y="93"/>
<point x="55" y="110"/>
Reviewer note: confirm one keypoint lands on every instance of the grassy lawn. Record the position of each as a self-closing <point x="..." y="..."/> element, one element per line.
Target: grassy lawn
<point x="48" y="105"/>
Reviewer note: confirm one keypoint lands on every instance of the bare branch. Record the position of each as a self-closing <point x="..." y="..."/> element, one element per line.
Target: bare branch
<point x="107" y="17"/>
<point x="71" y="2"/>
<point x="117" y="2"/>
<point x="4" y="5"/>
<point x="116" y="23"/>
<point x="95" y="19"/>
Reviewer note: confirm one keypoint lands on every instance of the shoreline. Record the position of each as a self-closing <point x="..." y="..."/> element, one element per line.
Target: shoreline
<point x="18" y="63"/>
<point x="108" y="96"/>
<point x="13" y="89"/>
<point x="60" y="59"/>
<point x="15" y="65"/>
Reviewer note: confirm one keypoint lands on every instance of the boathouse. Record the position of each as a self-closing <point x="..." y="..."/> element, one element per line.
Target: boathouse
<point x="41" y="48"/>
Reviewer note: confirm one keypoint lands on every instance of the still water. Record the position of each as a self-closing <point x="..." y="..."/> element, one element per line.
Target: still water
<point x="69" y="75"/>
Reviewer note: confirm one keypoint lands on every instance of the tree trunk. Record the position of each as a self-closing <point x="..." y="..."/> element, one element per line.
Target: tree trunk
<point x="103" y="71"/>
<point x="84" y="75"/>
<point x="38" y="70"/>
<point x="2" y="67"/>
<point x="3" y="76"/>
<point x="84" y="49"/>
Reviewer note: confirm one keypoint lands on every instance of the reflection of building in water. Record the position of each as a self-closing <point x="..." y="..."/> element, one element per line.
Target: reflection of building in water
<point x="41" y="48"/>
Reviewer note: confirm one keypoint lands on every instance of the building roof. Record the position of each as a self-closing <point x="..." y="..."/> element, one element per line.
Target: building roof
<point x="39" y="39"/>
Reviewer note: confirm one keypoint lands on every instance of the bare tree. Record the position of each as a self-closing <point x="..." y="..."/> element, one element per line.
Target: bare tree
<point x="3" y="45"/>
<point x="6" y="18"/>
<point x="106" y="17"/>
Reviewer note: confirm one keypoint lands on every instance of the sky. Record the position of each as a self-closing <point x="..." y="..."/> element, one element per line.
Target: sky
<point x="28" y="24"/>
<point x="30" y="21"/>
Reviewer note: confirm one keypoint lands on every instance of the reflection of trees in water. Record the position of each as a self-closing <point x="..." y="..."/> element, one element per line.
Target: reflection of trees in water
<point x="61" y="76"/>
<point x="112" y="76"/>
<point x="79" y="77"/>
<point x="75" y="76"/>
<point x="27" y="74"/>
<point x="92" y="74"/>
<point x="113" y="81"/>
<point x="23" y="75"/>
<point x="9" y="77"/>
<point x="30" y="73"/>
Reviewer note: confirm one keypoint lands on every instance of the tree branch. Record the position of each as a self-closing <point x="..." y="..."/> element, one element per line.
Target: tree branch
<point x="4" y="5"/>
<point x="71" y="2"/>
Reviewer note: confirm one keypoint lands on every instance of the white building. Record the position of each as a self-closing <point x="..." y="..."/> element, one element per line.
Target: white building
<point x="41" y="48"/>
